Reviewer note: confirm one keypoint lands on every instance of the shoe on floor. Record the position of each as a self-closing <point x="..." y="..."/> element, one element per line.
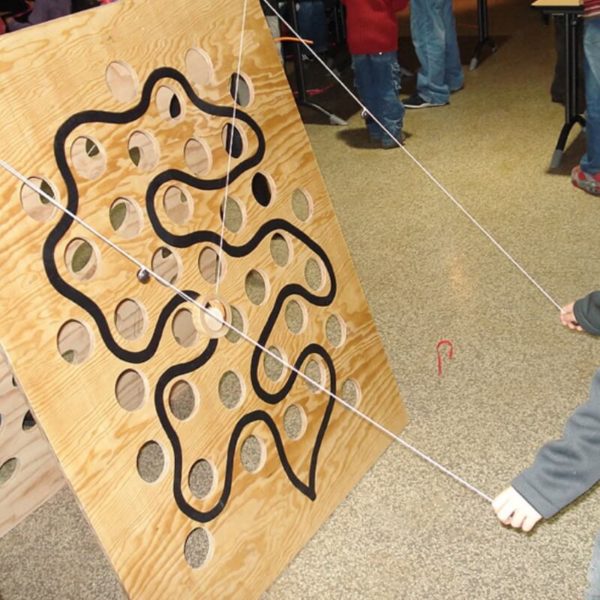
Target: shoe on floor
<point x="586" y="181"/>
<point x="387" y="142"/>
<point x="415" y="101"/>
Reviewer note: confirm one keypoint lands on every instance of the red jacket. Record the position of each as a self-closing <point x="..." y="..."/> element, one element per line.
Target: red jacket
<point x="591" y="8"/>
<point x="372" y="26"/>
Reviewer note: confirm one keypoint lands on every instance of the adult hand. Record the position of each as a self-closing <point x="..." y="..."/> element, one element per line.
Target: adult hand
<point x="567" y="317"/>
<point x="512" y="509"/>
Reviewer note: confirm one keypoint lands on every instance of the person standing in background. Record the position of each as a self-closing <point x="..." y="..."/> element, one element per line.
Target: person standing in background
<point x="586" y="175"/>
<point x="433" y="32"/>
<point x="372" y="32"/>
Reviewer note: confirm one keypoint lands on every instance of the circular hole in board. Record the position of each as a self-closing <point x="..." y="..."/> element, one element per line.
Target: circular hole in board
<point x="274" y="368"/>
<point x="143" y="150"/>
<point x="131" y="390"/>
<point x="302" y="205"/>
<point x="199" y="67"/>
<point x="202" y="478"/>
<point x="183" y="328"/>
<point x="335" y="330"/>
<point x="178" y="205"/>
<point x="122" y="81"/>
<point x="169" y="104"/>
<point x="294" y="421"/>
<point x="151" y="462"/>
<point x="351" y="392"/>
<point x="7" y="379"/>
<point x="36" y="204"/>
<point x="281" y="249"/>
<point x="8" y="469"/>
<point x="233" y="140"/>
<point x="198" y="548"/>
<point x="28" y="421"/>
<point x="165" y="263"/>
<point x="262" y="188"/>
<point x="125" y="218"/>
<point x="130" y="319"/>
<point x="315" y="372"/>
<point x="74" y="342"/>
<point x="88" y="157"/>
<point x="82" y="258"/>
<point x="295" y="316"/>
<point x="314" y="274"/>
<point x="253" y="454"/>
<point x="211" y="265"/>
<point x="256" y="286"/>
<point x="197" y="156"/>
<point x="241" y="89"/>
<point x="238" y="321"/>
<point x="234" y="215"/>
<point x="231" y="389"/>
<point x="182" y="400"/>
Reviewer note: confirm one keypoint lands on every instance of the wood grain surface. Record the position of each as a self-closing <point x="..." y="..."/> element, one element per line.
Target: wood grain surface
<point x="200" y="479"/>
<point x="29" y="471"/>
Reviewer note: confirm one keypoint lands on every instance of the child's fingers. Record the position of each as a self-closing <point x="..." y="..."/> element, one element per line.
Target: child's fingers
<point x="517" y="519"/>
<point x="530" y="521"/>
<point x="504" y="509"/>
<point x="512" y="509"/>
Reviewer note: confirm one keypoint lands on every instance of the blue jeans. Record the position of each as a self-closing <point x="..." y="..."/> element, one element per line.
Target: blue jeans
<point x="590" y="163"/>
<point x="312" y="24"/>
<point x="377" y="79"/>
<point x="433" y="33"/>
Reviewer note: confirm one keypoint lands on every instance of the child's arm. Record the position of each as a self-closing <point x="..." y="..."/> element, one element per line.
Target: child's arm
<point x="566" y="468"/>
<point x="563" y="469"/>
<point x="587" y="313"/>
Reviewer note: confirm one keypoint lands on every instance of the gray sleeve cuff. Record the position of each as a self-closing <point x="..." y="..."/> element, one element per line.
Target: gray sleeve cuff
<point x="542" y="504"/>
<point x="587" y="312"/>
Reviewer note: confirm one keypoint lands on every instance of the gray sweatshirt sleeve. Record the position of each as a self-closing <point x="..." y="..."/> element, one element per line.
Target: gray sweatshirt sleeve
<point x="566" y="468"/>
<point x="587" y="312"/>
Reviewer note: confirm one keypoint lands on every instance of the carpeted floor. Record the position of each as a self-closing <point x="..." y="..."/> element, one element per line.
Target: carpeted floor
<point x="407" y="531"/>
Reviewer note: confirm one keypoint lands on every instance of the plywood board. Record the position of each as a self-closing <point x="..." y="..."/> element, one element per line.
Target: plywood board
<point x="29" y="472"/>
<point x="202" y="464"/>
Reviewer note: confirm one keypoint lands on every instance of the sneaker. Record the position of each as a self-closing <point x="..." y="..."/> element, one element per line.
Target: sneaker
<point x="415" y="101"/>
<point x="387" y="142"/>
<point x="586" y="181"/>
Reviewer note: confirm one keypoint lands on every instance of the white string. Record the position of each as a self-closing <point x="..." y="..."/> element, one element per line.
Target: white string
<point x="417" y="162"/>
<point x="230" y="151"/>
<point x="215" y="316"/>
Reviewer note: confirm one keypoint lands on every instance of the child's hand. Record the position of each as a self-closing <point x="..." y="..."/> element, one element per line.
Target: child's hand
<point x="567" y="317"/>
<point x="512" y="509"/>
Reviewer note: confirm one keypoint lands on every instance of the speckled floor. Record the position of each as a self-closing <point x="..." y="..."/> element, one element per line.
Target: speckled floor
<point x="407" y="531"/>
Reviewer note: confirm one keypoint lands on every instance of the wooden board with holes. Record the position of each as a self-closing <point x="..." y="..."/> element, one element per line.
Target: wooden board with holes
<point x="29" y="472"/>
<point x="202" y="463"/>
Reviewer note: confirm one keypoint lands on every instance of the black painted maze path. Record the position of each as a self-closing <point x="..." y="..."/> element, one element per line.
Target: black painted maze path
<point x="169" y="197"/>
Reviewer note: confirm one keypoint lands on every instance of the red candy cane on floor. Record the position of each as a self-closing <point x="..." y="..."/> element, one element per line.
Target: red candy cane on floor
<point x="438" y="349"/>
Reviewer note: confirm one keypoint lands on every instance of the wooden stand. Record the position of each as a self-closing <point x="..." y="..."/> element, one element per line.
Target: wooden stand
<point x="201" y="462"/>
<point x="29" y="472"/>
